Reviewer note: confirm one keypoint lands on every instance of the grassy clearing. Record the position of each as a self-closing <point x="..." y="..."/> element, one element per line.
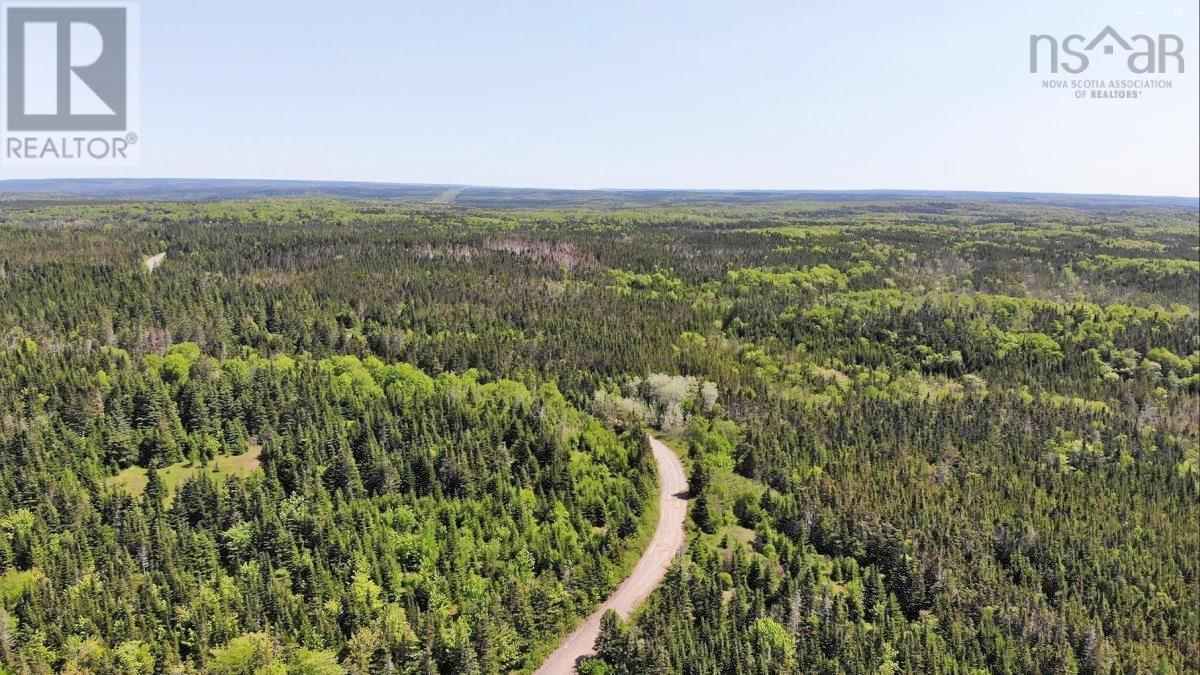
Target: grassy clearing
<point x="154" y="261"/>
<point x="133" y="480"/>
<point x="725" y="488"/>
<point x="723" y="491"/>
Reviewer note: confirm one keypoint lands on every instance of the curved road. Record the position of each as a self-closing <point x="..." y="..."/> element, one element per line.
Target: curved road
<point x="646" y="575"/>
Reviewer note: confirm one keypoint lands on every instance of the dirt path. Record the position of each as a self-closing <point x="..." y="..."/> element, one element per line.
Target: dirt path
<point x="155" y="260"/>
<point x="646" y="575"/>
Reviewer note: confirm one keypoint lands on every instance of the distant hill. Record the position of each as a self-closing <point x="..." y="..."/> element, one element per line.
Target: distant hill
<point x="187" y="189"/>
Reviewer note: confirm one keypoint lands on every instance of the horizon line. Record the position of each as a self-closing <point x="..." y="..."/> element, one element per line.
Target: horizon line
<point x="399" y="183"/>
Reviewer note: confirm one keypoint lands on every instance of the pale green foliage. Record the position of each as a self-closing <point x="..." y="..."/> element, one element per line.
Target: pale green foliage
<point x="775" y="640"/>
<point x="243" y="655"/>
<point x="310" y="662"/>
<point x="134" y="658"/>
<point x="819" y="277"/>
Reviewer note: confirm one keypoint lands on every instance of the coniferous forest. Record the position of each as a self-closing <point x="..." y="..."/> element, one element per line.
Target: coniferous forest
<point x="327" y="436"/>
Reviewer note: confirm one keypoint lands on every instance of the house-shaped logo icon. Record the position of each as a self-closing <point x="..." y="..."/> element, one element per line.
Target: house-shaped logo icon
<point x="1108" y="32"/>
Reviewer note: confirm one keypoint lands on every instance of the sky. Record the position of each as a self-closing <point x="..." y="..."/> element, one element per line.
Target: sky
<point x="615" y="94"/>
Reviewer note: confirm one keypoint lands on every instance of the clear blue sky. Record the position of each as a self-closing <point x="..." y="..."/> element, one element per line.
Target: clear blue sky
<point x="694" y="94"/>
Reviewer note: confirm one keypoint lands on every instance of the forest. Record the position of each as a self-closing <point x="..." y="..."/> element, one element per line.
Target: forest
<point x="344" y="435"/>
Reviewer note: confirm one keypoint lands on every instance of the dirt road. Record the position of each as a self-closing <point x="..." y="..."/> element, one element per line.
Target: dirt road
<point x="646" y="575"/>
